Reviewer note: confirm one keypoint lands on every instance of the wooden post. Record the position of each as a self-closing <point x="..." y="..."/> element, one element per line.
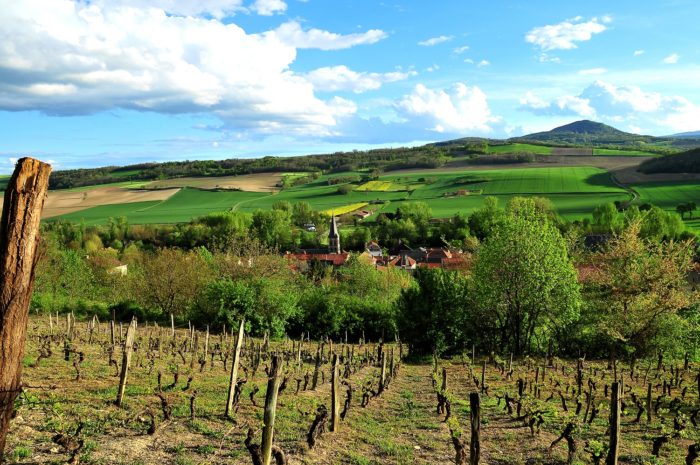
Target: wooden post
<point x="317" y="368"/>
<point x="475" y="445"/>
<point x="19" y="238"/>
<point x="273" y="384"/>
<point x="649" y="403"/>
<point x="234" y="371"/>
<point x="483" y="376"/>
<point x="206" y="344"/>
<point x="335" y="396"/>
<point x="614" y="447"/>
<point x="382" y="375"/>
<point x="172" y="326"/>
<point x="111" y="332"/>
<point x="126" y="360"/>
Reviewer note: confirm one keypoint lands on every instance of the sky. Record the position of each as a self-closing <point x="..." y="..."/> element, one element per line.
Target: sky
<point x="115" y="82"/>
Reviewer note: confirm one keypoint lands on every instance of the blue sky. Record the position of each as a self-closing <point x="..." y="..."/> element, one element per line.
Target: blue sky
<point x="113" y="82"/>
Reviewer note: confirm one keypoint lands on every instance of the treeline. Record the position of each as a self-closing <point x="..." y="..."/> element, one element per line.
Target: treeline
<point x="686" y="162"/>
<point x="534" y="283"/>
<point x="383" y="159"/>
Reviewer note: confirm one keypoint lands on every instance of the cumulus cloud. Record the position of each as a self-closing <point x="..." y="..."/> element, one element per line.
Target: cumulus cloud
<point x="342" y="78"/>
<point x="563" y="36"/>
<point x="620" y="104"/>
<point x="435" y="41"/>
<point x="459" y="109"/>
<point x="64" y="57"/>
<point x="269" y="7"/>
<point x="638" y="53"/>
<point x="563" y="106"/>
<point x="672" y="59"/>
<point x="292" y="34"/>
<point x="462" y="49"/>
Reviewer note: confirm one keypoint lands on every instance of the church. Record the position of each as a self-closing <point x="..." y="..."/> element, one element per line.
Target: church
<point x="333" y="255"/>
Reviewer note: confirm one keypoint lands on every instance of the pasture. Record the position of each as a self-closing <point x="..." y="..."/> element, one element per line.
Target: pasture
<point x="574" y="190"/>
<point x="668" y="195"/>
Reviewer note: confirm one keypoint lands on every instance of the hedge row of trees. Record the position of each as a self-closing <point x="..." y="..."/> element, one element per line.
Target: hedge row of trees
<point x="533" y="286"/>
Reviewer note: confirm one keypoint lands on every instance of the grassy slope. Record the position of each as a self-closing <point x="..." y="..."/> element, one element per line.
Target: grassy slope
<point x="575" y="191"/>
<point x="668" y="195"/>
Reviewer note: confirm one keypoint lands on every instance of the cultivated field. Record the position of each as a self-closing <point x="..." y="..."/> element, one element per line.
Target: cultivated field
<point x="524" y="407"/>
<point x="260" y="182"/>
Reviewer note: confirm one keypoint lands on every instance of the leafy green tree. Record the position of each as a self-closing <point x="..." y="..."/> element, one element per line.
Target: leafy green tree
<point x="272" y="228"/>
<point x="483" y="221"/>
<point x="525" y="282"/>
<point x="606" y="218"/>
<point x="433" y="312"/>
<point x="639" y="285"/>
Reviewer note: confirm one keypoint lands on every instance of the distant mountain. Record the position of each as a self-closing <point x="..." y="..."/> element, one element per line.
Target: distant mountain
<point x="686" y="162"/>
<point x="684" y="135"/>
<point x="587" y="132"/>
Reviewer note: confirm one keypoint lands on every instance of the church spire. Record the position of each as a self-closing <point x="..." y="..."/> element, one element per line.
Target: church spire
<point x="333" y="237"/>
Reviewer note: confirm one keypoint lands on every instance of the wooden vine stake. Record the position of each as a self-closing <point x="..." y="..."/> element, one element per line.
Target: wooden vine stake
<point x="126" y="361"/>
<point x="335" y="396"/>
<point x="475" y="444"/>
<point x="613" y="450"/>
<point x="273" y="384"/>
<point x="19" y="238"/>
<point x="234" y="371"/>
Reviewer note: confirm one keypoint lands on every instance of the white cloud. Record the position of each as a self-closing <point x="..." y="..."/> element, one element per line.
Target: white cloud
<point x="435" y="41"/>
<point x="461" y="108"/>
<point x="672" y="59"/>
<point x="563" y="106"/>
<point x="342" y="78"/>
<point x="563" y="36"/>
<point x="269" y="7"/>
<point x="462" y="49"/>
<point x="483" y="63"/>
<point x="293" y="35"/>
<point x="639" y="53"/>
<point x="593" y="71"/>
<point x="433" y="68"/>
<point x="64" y="57"/>
<point x="621" y="104"/>
<point x="215" y="8"/>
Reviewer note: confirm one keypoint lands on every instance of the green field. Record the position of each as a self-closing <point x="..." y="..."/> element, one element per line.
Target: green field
<point x="520" y="148"/>
<point x="575" y="191"/>
<point x="627" y="153"/>
<point x="668" y="195"/>
<point x="181" y="207"/>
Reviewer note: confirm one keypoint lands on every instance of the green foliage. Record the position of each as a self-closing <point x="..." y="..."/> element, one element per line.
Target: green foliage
<point x="434" y="313"/>
<point x="524" y="280"/>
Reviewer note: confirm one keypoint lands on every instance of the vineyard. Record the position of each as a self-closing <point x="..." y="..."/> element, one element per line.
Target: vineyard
<point x="142" y="393"/>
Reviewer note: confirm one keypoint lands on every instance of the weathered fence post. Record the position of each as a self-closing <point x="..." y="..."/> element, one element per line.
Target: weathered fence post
<point x="382" y="375"/>
<point x="19" y="238"/>
<point x="335" y="396"/>
<point x="234" y="371"/>
<point x="273" y="384"/>
<point x="649" y="403"/>
<point x="614" y="446"/>
<point x="126" y="360"/>
<point x="483" y="377"/>
<point x="475" y="444"/>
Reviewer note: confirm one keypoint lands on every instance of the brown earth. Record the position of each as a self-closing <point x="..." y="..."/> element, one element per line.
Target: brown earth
<point x="67" y="201"/>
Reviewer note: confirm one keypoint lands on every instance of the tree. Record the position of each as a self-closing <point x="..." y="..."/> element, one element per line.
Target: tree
<point x="171" y="279"/>
<point x="639" y="283"/>
<point x="525" y="281"/>
<point x="484" y="220"/>
<point x="433" y="312"/>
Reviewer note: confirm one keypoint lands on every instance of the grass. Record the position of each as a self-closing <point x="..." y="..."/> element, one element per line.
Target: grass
<point x="520" y="148"/>
<point x="668" y="195"/>
<point x="574" y="190"/>
<point x="181" y="207"/>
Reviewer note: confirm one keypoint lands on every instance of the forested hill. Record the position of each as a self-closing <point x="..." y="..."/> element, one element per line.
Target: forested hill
<point x="686" y="162"/>
<point x="588" y="132"/>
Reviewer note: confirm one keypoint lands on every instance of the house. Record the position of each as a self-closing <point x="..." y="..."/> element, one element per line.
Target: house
<point x="362" y="214"/>
<point x="374" y="250"/>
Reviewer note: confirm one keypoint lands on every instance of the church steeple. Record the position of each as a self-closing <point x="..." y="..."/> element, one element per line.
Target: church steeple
<point x="333" y="237"/>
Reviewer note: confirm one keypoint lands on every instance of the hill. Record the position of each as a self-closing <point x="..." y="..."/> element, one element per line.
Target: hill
<point x="686" y="162"/>
<point x="588" y="132"/>
<point x="684" y="135"/>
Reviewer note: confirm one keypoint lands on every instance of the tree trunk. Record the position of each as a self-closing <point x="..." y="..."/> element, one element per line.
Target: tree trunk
<point x="273" y="384"/>
<point x="19" y="238"/>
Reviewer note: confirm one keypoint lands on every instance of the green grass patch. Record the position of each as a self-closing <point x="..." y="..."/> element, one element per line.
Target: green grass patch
<point x="520" y="148"/>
